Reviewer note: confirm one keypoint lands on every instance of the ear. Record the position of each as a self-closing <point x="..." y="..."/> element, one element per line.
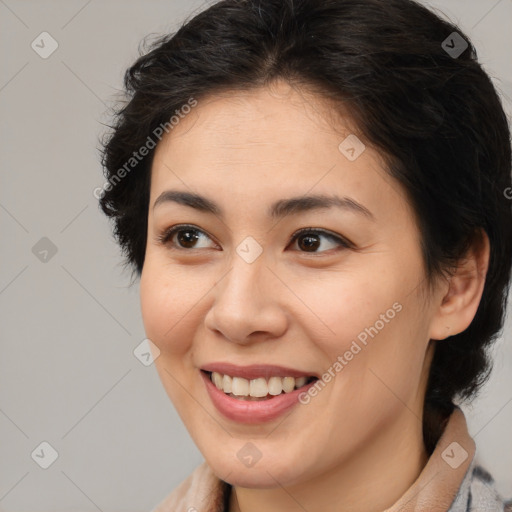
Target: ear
<point x="460" y="296"/>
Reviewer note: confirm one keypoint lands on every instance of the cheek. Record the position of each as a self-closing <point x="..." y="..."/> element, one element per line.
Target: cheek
<point x="382" y="363"/>
<point x="374" y="322"/>
<point x="170" y="305"/>
<point x="341" y="307"/>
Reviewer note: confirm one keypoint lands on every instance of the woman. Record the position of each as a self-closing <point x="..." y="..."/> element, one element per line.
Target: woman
<point x="313" y="196"/>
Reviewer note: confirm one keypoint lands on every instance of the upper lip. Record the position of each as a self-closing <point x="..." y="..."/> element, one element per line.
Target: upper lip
<point x="255" y="371"/>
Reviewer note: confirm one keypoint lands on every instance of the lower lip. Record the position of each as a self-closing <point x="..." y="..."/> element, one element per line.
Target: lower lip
<point x="247" y="411"/>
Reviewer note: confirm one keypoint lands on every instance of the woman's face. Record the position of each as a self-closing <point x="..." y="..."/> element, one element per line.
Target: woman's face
<point x="346" y="299"/>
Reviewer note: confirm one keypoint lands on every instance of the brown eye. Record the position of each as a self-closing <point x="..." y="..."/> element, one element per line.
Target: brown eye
<point x="187" y="238"/>
<point x="183" y="237"/>
<point x="309" y="240"/>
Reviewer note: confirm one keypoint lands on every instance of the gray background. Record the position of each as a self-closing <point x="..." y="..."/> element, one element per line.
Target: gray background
<point x="68" y="375"/>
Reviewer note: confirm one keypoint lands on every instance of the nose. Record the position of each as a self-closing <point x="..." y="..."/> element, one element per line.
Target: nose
<point x="245" y="306"/>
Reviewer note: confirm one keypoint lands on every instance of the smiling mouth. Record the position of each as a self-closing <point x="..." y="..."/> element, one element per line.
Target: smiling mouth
<point x="257" y="389"/>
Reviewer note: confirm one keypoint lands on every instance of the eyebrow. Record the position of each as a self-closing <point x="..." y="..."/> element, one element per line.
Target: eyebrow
<point x="279" y="209"/>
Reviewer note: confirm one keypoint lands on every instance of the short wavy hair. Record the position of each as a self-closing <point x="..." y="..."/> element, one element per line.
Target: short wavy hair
<point x="413" y="88"/>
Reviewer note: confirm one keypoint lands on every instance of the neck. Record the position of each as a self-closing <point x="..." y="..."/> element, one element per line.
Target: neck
<point x="360" y="483"/>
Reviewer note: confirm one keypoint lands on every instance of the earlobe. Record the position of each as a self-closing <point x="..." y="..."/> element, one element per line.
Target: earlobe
<point x="459" y="302"/>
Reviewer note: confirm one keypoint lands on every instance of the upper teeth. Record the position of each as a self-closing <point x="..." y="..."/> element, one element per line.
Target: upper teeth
<point x="256" y="387"/>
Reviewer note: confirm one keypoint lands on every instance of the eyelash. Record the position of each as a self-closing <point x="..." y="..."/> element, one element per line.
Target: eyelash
<point x="165" y="237"/>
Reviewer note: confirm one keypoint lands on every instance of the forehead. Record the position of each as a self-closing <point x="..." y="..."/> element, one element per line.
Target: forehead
<point x="270" y="142"/>
<point x="270" y="120"/>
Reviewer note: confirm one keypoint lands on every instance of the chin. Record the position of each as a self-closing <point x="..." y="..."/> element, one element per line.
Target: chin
<point x="263" y="475"/>
<point x="254" y="478"/>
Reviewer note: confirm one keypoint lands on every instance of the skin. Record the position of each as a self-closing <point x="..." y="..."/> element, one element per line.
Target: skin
<point x="296" y="306"/>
